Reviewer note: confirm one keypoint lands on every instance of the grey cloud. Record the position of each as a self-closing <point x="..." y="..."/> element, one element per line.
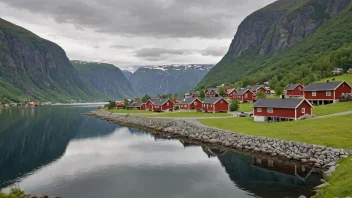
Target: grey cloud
<point x="214" y="51"/>
<point x="154" y="54"/>
<point x="147" y="18"/>
<point x="120" y="46"/>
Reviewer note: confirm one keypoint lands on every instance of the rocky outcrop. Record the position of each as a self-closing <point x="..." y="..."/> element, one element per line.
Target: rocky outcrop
<point x="317" y="156"/>
<point x="283" y="24"/>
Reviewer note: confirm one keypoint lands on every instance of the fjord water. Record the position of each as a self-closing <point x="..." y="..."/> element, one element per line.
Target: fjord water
<point x="54" y="150"/>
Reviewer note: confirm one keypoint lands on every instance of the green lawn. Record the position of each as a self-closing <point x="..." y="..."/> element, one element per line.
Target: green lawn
<point x="189" y="114"/>
<point x="130" y="111"/>
<point x="345" y="77"/>
<point x="246" y="107"/>
<point x="332" y="108"/>
<point x="332" y="131"/>
<point x="340" y="181"/>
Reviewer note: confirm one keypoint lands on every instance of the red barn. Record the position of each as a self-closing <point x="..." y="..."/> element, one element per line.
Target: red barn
<point x="149" y="104"/>
<point x="275" y="110"/>
<point x="189" y="104"/>
<point x="231" y="93"/>
<point x="326" y="92"/>
<point x="257" y="88"/>
<point x="245" y="95"/>
<point x="136" y="106"/>
<point x="164" y="104"/>
<point x="294" y="90"/>
<point x="211" y="92"/>
<point x="215" y="104"/>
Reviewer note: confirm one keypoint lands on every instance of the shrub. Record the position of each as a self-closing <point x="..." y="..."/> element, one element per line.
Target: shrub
<point x="177" y="108"/>
<point x="235" y="105"/>
<point x="261" y="94"/>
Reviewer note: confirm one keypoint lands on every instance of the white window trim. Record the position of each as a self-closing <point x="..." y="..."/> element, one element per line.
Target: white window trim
<point x="303" y="110"/>
<point x="245" y="95"/>
<point x="328" y="93"/>
<point x="259" y="110"/>
<point x="270" y="110"/>
<point x="314" y="93"/>
<point x="195" y="103"/>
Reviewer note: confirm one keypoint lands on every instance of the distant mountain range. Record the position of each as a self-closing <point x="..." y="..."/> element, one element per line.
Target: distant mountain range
<point x="37" y="69"/>
<point x="106" y="78"/>
<point x="128" y="74"/>
<point x="154" y="80"/>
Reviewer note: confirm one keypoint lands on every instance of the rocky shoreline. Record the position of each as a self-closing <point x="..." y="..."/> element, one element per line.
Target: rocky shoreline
<point x="316" y="156"/>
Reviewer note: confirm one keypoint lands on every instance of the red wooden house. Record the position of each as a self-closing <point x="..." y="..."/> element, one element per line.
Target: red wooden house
<point x="195" y="94"/>
<point x="257" y="88"/>
<point x="275" y="110"/>
<point x="231" y="93"/>
<point x="164" y="104"/>
<point x="177" y="101"/>
<point x="215" y="104"/>
<point x="136" y="106"/>
<point x="294" y="90"/>
<point x="119" y="104"/>
<point x="211" y="92"/>
<point x="337" y="71"/>
<point x="149" y="104"/>
<point x="327" y="92"/>
<point x="245" y="95"/>
<point x="189" y="104"/>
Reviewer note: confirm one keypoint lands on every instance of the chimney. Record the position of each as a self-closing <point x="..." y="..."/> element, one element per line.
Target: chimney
<point x="282" y="96"/>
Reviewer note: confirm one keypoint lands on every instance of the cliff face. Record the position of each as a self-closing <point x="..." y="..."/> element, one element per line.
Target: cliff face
<point x="37" y="68"/>
<point x="154" y="80"/>
<point x="269" y="32"/>
<point x="106" y="78"/>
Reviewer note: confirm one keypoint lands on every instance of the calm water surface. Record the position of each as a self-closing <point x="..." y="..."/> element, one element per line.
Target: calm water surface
<point x="55" y="151"/>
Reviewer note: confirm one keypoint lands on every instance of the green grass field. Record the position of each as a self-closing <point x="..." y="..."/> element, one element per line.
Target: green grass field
<point x="246" y="107"/>
<point x="189" y="114"/>
<point x="345" y="77"/>
<point x="332" y="108"/>
<point x="340" y="181"/>
<point x="332" y="131"/>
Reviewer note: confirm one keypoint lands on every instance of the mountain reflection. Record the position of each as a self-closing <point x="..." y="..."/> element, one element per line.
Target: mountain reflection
<point x="33" y="137"/>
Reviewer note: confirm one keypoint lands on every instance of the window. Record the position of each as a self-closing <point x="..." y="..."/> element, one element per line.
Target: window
<point x="314" y="93"/>
<point x="270" y="110"/>
<point x="259" y="109"/>
<point x="211" y="105"/>
<point x="303" y="110"/>
<point x="230" y="95"/>
<point x="259" y="161"/>
<point x="245" y="95"/>
<point x="167" y="104"/>
<point x="270" y="163"/>
<point x="328" y="93"/>
<point x="195" y="103"/>
<point x="222" y="101"/>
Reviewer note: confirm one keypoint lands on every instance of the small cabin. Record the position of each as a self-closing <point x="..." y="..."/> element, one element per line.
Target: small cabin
<point x="231" y="93"/>
<point x="215" y="104"/>
<point x="149" y="104"/>
<point x="337" y="71"/>
<point x="294" y="90"/>
<point x="211" y="92"/>
<point x="163" y="105"/>
<point x="326" y="92"/>
<point x="136" y="106"/>
<point x="190" y="104"/>
<point x="245" y="95"/>
<point x="281" y="109"/>
<point x="257" y="88"/>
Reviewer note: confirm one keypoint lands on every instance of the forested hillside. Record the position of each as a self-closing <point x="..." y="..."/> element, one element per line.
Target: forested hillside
<point x="286" y="42"/>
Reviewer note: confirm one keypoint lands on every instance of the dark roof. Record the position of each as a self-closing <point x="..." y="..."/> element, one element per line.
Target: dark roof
<point x="241" y="92"/>
<point x="215" y="89"/>
<point x="187" y="100"/>
<point x="291" y="86"/>
<point x="180" y="99"/>
<point x="230" y="90"/>
<point x="212" y="100"/>
<point x="161" y="101"/>
<point x="254" y="87"/>
<point x="323" y="86"/>
<point x="287" y="103"/>
<point x="135" y="104"/>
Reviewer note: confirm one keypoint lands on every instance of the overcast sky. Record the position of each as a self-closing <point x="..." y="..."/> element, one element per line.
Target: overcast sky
<point x="134" y="32"/>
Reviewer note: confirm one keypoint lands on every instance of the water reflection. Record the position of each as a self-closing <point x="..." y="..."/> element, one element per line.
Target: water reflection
<point x="55" y="151"/>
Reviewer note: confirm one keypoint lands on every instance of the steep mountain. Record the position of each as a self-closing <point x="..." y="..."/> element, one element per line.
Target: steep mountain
<point x="153" y="80"/>
<point x="34" y="68"/>
<point x="106" y="78"/>
<point x="128" y="74"/>
<point x="289" y="41"/>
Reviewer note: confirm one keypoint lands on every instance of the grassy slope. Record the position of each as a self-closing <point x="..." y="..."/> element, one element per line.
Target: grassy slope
<point x="306" y="61"/>
<point x="333" y="131"/>
<point x="332" y="108"/>
<point x="345" y="77"/>
<point x="340" y="181"/>
<point x="246" y="107"/>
